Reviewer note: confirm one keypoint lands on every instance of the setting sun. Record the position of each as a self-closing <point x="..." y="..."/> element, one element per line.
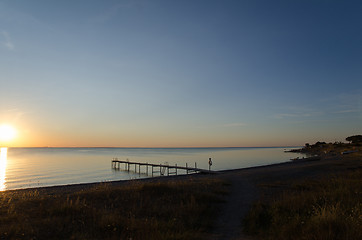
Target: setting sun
<point x="7" y="133"/>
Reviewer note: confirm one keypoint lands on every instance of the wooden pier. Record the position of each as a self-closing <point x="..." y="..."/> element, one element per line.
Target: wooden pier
<point x="151" y="169"/>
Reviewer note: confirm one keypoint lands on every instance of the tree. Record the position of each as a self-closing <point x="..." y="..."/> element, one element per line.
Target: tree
<point x="354" y="139"/>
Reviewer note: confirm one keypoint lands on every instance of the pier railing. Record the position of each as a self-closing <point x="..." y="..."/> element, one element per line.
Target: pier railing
<point x="152" y="169"/>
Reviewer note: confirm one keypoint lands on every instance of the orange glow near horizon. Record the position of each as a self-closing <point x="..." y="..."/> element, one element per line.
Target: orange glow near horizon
<point x="29" y="134"/>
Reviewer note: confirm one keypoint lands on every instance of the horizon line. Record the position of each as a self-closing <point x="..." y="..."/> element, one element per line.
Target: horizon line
<point x="287" y="146"/>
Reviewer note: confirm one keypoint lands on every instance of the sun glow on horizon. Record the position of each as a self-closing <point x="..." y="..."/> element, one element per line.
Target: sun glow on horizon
<point x="7" y="133"/>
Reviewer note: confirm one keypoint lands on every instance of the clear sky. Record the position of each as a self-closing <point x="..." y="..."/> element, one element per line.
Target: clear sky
<point x="180" y="73"/>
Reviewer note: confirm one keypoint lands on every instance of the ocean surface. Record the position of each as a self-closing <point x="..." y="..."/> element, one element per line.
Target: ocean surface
<point x="39" y="167"/>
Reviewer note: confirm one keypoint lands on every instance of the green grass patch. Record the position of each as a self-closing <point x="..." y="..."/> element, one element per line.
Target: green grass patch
<point x="160" y="210"/>
<point x="330" y="208"/>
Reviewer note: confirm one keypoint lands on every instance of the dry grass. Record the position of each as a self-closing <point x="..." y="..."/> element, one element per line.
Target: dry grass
<point x="328" y="208"/>
<point x="162" y="210"/>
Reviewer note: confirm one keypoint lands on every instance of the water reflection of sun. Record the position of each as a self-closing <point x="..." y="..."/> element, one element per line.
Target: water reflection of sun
<point x="3" y="159"/>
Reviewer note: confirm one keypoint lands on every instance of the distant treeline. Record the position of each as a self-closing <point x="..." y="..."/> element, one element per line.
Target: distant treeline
<point x="355" y="139"/>
<point x="318" y="147"/>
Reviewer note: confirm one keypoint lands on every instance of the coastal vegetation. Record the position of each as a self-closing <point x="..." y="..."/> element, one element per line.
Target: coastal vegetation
<point x="172" y="209"/>
<point x="332" y="149"/>
<point x="356" y="139"/>
<point x="326" y="207"/>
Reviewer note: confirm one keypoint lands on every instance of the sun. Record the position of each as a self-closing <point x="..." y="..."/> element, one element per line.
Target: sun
<point x="7" y="133"/>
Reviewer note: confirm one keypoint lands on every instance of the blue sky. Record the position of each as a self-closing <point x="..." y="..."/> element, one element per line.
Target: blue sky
<point x="180" y="73"/>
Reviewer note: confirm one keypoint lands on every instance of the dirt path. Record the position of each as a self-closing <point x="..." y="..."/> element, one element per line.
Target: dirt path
<point x="242" y="194"/>
<point x="244" y="191"/>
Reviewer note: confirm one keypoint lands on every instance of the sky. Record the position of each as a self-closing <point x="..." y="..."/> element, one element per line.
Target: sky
<point x="169" y="73"/>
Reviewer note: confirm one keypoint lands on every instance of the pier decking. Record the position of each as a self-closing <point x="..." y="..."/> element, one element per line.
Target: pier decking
<point x="151" y="169"/>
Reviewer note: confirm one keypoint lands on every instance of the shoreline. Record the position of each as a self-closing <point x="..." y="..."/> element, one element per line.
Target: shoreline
<point x="92" y="166"/>
<point x="79" y="186"/>
<point x="221" y="173"/>
<point x="99" y="173"/>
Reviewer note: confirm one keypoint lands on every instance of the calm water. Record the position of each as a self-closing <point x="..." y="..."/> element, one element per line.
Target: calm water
<point x="35" y="167"/>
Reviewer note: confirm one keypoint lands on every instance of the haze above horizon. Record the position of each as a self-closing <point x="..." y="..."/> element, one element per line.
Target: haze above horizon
<point x="180" y="73"/>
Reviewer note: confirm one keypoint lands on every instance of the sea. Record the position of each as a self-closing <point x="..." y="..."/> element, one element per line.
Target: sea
<point x="40" y="167"/>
